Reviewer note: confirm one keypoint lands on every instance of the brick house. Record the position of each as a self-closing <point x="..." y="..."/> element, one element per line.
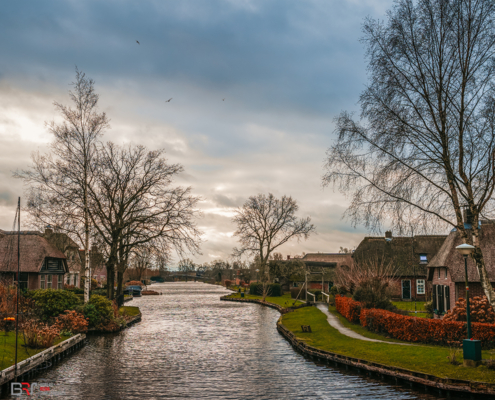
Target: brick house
<point x="42" y="265"/>
<point x="97" y="265"/>
<point x="446" y="270"/>
<point x="409" y="255"/>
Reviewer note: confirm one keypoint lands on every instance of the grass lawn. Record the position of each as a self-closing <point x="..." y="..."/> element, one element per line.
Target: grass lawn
<point x="358" y="328"/>
<point x="284" y="301"/>
<point x="426" y="359"/>
<point x="7" y="349"/>
<point x="409" y="305"/>
<point x="130" y="311"/>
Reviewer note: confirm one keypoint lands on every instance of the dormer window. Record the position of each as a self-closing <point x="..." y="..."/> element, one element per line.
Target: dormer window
<point x="423" y="259"/>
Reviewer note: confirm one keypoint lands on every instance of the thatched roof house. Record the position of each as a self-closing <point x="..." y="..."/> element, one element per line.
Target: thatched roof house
<point x="446" y="270"/>
<point x="410" y="257"/>
<point x="41" y="263"/>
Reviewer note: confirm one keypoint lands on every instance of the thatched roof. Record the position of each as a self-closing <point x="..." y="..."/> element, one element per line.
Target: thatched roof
<point x="449" y="257"/>
<point x="403" y="252"/>
<point x="33" y="250"/>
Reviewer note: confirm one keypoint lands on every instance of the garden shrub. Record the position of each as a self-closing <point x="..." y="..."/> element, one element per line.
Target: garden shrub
<point x="479" y="307"/>
<point x="425" y="330"/>
<point x="98" y="310"/>
<point x="39" y="335"/>
<point x="227" y="283"/>
<point x="348" y="307"/>
<point x="49" y="303"/>
<point x="74" y="289"/>
<point x="71" y="321"/>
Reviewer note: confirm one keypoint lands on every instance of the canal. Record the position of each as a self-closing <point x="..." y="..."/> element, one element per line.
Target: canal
<point x="190" y="345"/>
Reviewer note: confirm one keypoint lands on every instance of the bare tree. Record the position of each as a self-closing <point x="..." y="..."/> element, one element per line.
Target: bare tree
<point x="425" y="144"/>
<point x="61" y="179"/>
<point x="133" y="203"/>
<point x="265" y="223"/>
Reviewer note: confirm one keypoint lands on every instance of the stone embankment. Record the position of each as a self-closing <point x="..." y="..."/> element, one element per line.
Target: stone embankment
<point x="413" y="379"/>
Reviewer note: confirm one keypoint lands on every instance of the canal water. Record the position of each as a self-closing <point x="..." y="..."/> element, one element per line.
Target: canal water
<point x="190" y="345"/>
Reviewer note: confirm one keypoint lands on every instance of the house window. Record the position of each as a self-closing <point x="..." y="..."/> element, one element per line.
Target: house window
<point x="420" y="286"/>
<point x="23" y="281"/>
<point x="49" y="281"/>
<point x="42" y="285"/>
<point x="60" y="281"/>
<point x="439" y="273"/>
<point x="68" y="279"/>
<point x="423" y="259"/>
<point x="445" y="273"/>
<point x="75" y="279"/>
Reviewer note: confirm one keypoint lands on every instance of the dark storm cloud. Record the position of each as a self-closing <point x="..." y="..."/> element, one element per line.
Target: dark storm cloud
<point x="300" y="55"/>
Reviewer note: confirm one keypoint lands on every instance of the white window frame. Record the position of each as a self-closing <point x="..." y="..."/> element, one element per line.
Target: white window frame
<point x="446" y="273"/>
<point x="49" y="281"/>
<point x="423" y="285"/>
<point x="60" y="282"/>
<point x="68" y="279"/>
<point x="75" y="279"/>
<point x="42" y="282"/>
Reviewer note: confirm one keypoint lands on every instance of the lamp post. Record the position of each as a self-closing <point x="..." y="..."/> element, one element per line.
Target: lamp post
<point x="257" y="279"/>
<point x="466" y="250"/>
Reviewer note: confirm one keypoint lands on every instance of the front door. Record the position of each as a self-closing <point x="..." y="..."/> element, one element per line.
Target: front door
<point x="406" y="289"/>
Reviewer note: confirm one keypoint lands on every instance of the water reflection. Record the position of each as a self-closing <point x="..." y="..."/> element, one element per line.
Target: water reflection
<point x="190" y="345"/>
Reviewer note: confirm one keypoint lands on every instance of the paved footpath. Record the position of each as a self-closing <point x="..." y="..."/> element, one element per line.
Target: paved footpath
<point x="334" y="321"/>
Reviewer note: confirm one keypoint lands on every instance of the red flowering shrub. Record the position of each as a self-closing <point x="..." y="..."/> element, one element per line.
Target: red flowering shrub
<point x="38" y="335"/>
<point x="348" y="307"/>
<point x="72" y="321"/>
<point x="425" y="330"/>
<point x="479" y="307"/>
<point x="135" y="283"/>
<point x="227" y="283"/>
<point x="149" y="292"/>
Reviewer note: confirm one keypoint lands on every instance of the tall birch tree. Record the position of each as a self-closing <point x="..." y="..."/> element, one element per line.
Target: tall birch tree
<point x="63" y="177"/>
<point x="424" y="147"/>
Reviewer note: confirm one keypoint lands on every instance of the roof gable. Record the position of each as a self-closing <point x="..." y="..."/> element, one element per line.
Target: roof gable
<point x="33" y="251"/>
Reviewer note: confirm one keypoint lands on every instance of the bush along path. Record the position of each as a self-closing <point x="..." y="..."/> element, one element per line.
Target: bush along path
<point x="334" y="322"/>
<point x="425" y="368"/>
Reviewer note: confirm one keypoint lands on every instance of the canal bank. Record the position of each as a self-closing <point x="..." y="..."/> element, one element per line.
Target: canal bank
<point x="319" y="344"/>
<point x="191" y="345"/>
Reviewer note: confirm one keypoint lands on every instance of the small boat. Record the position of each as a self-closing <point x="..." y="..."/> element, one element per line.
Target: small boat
<point x="134" y="290"/>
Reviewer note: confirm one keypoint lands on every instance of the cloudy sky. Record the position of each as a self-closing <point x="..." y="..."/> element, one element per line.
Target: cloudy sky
<point x="285" y="69"/>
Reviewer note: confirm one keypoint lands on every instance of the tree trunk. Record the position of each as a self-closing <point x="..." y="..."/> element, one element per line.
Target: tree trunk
<point x="120" y="282"/>
<point x="87" y="271"/>
<point x="110" y="280"/>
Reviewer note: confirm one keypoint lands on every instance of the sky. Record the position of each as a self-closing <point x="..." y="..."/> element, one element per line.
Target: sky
<point x="255" y="88"/>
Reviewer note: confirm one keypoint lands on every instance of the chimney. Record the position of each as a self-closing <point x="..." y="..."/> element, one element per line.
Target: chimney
<point x="467" y="215"/>
<point x="288" y="257"/>
<point x="48" y="230"/>
<point x="388" y="235"/>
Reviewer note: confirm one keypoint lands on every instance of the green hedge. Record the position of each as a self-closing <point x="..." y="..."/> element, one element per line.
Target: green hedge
<point x="98" y="310"/>
<point x="274" y="290"/>
<point x="50" y="303"/>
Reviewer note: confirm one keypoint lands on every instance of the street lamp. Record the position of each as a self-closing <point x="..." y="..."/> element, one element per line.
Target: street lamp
<point x="466" y="250"/>
<point x="471" y="348"/>
<point x="257" y="275"/>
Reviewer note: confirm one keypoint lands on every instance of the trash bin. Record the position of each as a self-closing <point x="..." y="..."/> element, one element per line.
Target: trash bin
<point x="242" y="294"/>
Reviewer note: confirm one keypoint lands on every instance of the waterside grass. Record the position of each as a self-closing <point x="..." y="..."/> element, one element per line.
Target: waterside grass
<point x="430" y="360"/>
<point x="7" y="349"/>
<point x="284" y="301"/>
